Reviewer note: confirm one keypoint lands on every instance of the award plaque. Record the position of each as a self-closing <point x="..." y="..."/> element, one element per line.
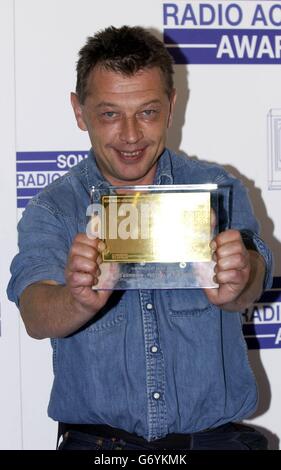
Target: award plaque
<point x="156" y="237"/>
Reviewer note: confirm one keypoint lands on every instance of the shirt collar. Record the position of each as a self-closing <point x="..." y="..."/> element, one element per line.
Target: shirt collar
<point x="164" y="169"/>
<point x="95" y="178"/>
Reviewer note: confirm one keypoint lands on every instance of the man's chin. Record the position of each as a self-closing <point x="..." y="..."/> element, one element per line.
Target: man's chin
<point x="133" y="178"/>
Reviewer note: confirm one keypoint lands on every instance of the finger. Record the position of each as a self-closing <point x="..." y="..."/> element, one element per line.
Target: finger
<point x="81" y="249"/>
<point x="231" y="248"/>
<point x="99" y="259"/>
<point x="238" y="261"/>
<point x="214" y="256"/>
<point x="81" y="264"/>
<point x="224" y="294"/>
<point x="228" y="236"/>
<point x="101" y="246"/>
<point x="231" y="276"/>
<point x="78" y="279"/>
<point x="84" y="239"/>
<point x="110" y="273"/>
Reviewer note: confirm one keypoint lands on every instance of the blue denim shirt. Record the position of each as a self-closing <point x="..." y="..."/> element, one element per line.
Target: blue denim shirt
<point x="151" y="362"/>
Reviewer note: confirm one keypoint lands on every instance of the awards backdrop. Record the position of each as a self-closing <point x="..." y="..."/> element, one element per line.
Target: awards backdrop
<point x="228" y="75"/>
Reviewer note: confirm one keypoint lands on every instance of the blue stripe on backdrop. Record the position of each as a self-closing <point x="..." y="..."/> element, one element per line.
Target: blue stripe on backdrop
<point x="28" y="191"/>
<point x="223" y="46"/>
<point x="29" y="156"/>
<point x="261" y="329"/>
<point x="22" y="203"/>
<point x="276" y="283"/>
<point x="262" y="343"/>
<point x="270" y="296"/>
<point x="213" y="36"/>
<point x="40" y="166"/>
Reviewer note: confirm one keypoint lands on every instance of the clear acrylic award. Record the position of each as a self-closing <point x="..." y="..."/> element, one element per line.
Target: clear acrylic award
<point x="156" y="237"/>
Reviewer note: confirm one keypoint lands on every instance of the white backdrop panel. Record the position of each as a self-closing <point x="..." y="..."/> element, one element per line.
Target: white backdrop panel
<point x="226" y="121"/>
<point x="10" y="390"/>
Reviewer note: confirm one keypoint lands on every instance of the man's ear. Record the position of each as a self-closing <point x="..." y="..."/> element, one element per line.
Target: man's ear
<point x="172" y="107"/>
<point x="77" y="108"/>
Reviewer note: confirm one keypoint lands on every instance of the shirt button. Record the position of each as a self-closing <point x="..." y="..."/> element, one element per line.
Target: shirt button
<point x="156" y="395"/>
<point x="149" y="306"/>
<point x="154" y="349"/>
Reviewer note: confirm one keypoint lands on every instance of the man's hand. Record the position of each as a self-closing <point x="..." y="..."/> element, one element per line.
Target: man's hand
<point x="235" y="272"/>
<point x="51" y="310"/>
<point x="83" y="271"/>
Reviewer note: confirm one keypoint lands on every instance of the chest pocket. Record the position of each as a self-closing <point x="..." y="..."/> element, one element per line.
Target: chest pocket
<point x="189" y="302"/>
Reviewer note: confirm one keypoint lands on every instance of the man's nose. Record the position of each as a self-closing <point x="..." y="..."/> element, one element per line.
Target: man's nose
<point x="130" y="131"/>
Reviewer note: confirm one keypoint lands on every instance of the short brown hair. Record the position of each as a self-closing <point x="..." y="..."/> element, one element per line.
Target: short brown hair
<point x="126" y="50"/>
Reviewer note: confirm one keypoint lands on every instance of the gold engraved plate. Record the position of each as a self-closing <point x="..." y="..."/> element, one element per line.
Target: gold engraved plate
<point x="162" y="227"/>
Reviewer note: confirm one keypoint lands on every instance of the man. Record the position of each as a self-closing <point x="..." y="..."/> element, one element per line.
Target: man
<point x="141" y="369"/>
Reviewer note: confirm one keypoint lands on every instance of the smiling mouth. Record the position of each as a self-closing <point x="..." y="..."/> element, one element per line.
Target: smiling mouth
<point x="131" y="155"/>
<point x="136" y="153"/>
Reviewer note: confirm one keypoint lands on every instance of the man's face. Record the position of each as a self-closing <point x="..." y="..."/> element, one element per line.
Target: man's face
<point x="127" y="118"/>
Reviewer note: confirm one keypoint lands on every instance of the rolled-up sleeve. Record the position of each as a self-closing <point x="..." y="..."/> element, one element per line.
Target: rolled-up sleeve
<point x="43" y="250"/>
<point x="263" y="249"/>
<point x="241" y="217"/>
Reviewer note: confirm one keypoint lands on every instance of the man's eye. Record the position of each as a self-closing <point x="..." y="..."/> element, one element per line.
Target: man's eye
<point x="109" y="114"/>
<point x="148" y="112"/>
